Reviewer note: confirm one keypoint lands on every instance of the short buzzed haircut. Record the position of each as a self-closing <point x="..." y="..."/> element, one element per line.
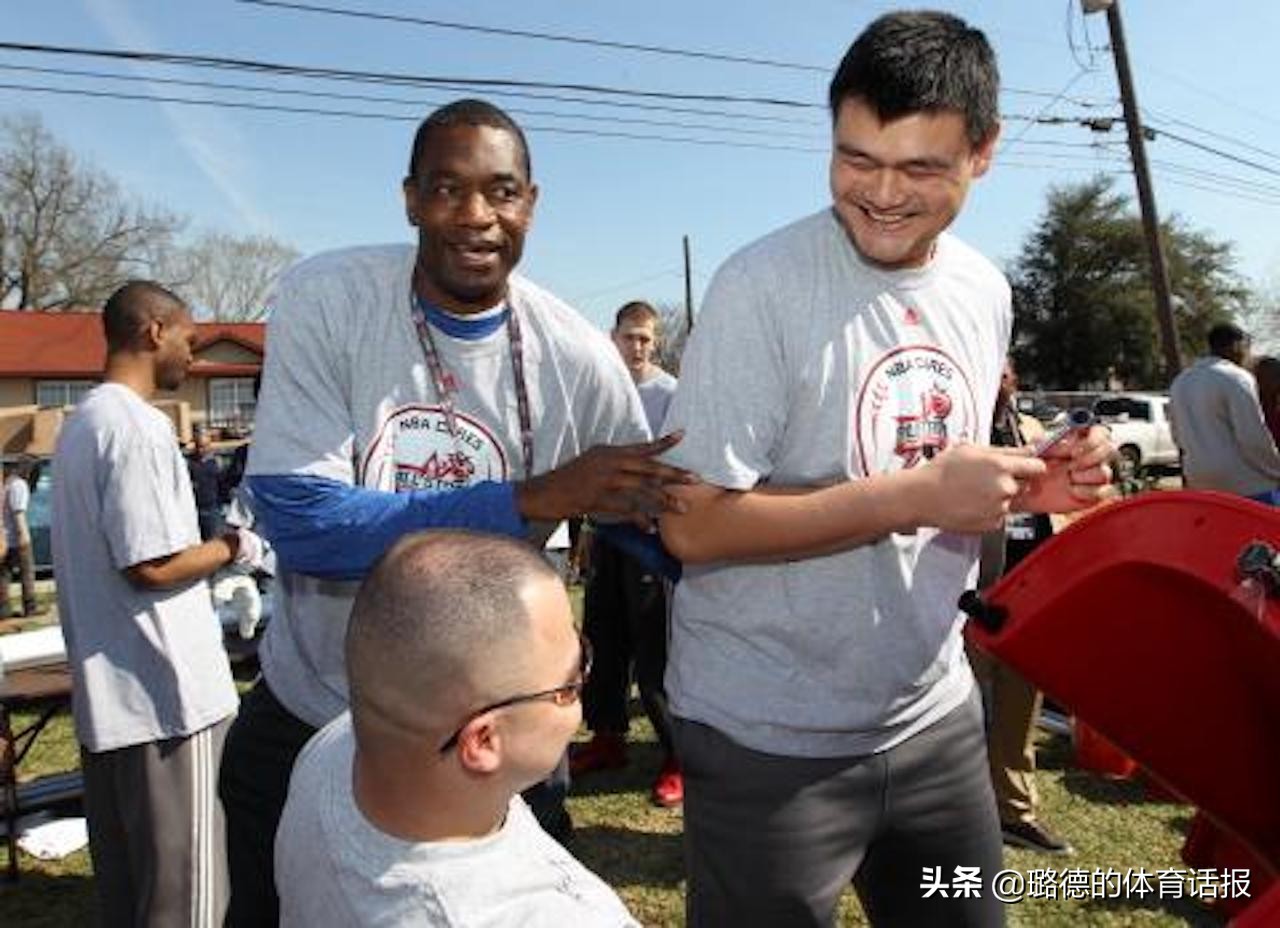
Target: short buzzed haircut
<point x="433" y="609"/>
<point x="468" y="112"/>
<point x="922" y="62"/>
<point x="131" y="309"/>
<point x="638" y="311"/>
<point x="1226" y="335"/>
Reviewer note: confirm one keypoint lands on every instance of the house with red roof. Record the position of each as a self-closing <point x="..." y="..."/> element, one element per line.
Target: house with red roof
<point x="49" y="360"/>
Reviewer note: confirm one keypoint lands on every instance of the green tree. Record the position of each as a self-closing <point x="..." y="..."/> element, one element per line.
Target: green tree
<point x="1083" y="303"/>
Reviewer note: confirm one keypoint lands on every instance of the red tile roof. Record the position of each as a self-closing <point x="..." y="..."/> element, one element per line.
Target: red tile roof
<point x="40" y="344"/>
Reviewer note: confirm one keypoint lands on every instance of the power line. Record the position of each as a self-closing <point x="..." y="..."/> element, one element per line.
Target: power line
<point x="1216" y="151"/>
<point x="209" y="61"/>
<point x="392" y="117"/>
<point x="541" y="36"/>
<point x="1161" y="117"/>
<point x="398" y="101"/>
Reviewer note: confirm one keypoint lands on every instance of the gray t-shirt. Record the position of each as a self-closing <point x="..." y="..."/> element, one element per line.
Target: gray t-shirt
<point x="334" y="867"/>
<point x="655" y="395"/>
<point x="145" y="664"/>
<point x="347" y="395"/>
<point x="811" y="367"/>
<point x="1217" y="422"/>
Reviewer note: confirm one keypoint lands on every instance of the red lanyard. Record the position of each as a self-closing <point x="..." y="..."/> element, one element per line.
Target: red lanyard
<point x="446" y="386"/>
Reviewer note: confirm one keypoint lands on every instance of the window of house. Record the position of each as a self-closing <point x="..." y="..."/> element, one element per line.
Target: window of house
<point x="231" y="402"/>
<point x="62" y="392"/>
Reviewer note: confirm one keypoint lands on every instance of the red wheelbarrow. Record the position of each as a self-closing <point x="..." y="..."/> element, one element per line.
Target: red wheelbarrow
<point x="1156" y="621"/>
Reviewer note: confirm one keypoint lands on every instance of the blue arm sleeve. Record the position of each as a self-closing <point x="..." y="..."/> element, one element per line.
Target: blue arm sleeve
<point x="647" y="548"/>
<point x="329" y="529"/>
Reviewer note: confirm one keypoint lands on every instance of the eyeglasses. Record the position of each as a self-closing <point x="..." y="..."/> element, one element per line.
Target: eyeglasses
<point x="565" y="695"/>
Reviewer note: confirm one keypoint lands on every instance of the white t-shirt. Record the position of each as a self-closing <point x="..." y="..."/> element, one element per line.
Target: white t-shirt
<point x="146" y="665"/>
<point x="811" y="367"/>
<point x="17" y="496"/>
<point x="333" y="867"/>
<point x="347" y="395"/>
<point x="655" y="394"/>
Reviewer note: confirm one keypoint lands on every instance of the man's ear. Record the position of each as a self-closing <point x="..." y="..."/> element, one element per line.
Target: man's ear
<point x="155" y="333"/>
<point x="410" y="190"/>
<point x="480" y="745"/>
<point x="985" y="151"/>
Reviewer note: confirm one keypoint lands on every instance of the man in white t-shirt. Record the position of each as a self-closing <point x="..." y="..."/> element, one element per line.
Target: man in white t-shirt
<point x="465" y="675"/>
<point x="1218" y="422"/>
<point x="15" y="545"/>
<point x="410" y="388"/>
<point x="837" y="395"/>
<point x="625" y="602"/>
<point x="152" y="693"/>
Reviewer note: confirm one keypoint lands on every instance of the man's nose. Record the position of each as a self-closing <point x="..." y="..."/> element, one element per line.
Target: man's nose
<point x="475" y="209"/>
<point x="886" y="188"/>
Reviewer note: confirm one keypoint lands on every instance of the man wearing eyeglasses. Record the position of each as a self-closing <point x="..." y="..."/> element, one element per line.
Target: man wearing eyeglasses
<point x="406" y="810"/>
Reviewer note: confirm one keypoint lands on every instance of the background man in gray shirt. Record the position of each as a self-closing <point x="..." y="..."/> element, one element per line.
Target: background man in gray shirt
<point x="152" y="695"/>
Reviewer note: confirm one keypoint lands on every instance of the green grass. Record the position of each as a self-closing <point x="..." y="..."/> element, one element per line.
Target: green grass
<point x="635" y="846"/>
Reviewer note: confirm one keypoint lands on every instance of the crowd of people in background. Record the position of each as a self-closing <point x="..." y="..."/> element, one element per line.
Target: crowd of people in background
<point x="838" y="461"/>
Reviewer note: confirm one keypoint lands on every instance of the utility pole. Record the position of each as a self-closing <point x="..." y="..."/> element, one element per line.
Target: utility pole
<point x="688" y="288"/>
<point x="1146" y="193"/>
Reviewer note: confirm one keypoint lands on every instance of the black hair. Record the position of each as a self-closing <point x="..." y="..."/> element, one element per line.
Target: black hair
<point x="1224" y="336"/>
<point x="468" y="112"/>
<point x="922" y="62"/>
<point x="132" y="307"/>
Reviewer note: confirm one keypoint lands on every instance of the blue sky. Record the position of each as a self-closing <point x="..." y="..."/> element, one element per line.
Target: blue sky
<point x="613" y="210"/>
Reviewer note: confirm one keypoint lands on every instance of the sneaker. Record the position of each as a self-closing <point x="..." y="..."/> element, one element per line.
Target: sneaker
<point x="668" y="789"/>
<point x="605" y="751"/>
<point x="1032" y="836"/>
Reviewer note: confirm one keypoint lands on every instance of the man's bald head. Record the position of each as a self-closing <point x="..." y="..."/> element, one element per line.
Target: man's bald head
<point x="439" y="618"/>
<point x="132" y="308"/>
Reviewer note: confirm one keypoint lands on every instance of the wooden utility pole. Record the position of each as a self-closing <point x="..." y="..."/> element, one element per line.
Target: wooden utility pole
<point x="688" y="288"/>
<point x="1146" y="193"/>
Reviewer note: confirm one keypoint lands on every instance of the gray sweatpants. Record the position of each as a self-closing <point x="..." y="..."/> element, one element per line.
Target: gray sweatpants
<point x="773" y="841"/>
<point x="156" y="831"/>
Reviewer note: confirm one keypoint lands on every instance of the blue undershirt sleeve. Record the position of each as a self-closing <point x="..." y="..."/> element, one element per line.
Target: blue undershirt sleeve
<point x="335" y="531"/>
<point x="644" y="547"/>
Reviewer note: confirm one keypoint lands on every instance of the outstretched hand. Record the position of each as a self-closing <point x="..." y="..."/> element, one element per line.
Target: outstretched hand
<point x="624" y="480"/>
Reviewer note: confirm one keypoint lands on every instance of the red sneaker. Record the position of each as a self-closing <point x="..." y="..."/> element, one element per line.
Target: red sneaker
<point x="605" y="751"/>
<point x="668" y="789"/>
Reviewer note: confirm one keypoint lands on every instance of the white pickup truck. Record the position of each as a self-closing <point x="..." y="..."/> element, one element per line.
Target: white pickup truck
<point x="1139" y="424"/>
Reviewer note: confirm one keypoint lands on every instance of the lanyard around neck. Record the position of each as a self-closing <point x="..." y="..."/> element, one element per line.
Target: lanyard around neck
<point x="446" y="386"/>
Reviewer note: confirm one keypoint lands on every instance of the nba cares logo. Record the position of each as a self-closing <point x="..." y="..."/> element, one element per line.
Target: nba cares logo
<point x="415" y="450"/>
<point x="913" y="403"/>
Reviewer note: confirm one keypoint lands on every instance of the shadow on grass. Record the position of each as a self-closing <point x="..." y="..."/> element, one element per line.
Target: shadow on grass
<point x="644" y="761"/>
<point x="43" y="900"/>
<point x="625" y="857"/>
<point x="1189" y="911"/>
<point x="1055" y="753"/>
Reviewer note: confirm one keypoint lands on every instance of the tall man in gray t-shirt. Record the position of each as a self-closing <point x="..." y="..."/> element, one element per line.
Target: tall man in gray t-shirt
<point x="835" y="394"/>
<point x="152" y="695"/>
<point x="407" y="389"/>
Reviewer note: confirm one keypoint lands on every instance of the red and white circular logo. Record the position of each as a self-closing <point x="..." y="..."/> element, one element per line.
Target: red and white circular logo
<point x="414" y="450"/>
<point x="914" y="402"/>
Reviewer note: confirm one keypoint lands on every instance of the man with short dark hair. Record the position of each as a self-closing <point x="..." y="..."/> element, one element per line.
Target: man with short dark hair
<point x="406" y="810"/>
<point x="1218" y="424"/>
<point x="837" y="393"/>
<point x="152" y="695"/>
<point x="411" y="388"/>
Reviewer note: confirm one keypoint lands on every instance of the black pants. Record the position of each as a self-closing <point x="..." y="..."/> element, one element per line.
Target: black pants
<point x="257" y="761"/>
<point x="772" y="841"/>
<point x="625" y="611"/>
